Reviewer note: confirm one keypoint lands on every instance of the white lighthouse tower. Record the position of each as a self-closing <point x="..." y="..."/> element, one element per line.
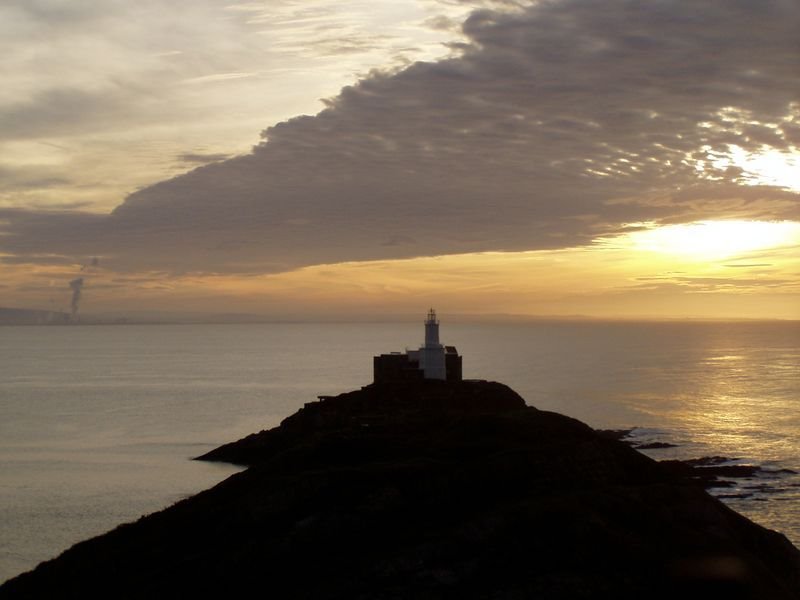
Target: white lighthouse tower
<point x="431" y="355"/>
<point x="431" y="361"/>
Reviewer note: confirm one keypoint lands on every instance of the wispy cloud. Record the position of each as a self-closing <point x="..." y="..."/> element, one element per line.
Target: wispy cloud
<point x="201" y="158"/>
<point x="749" y="266"/>
<point x="215" y="77"/>
<point x="106" y="78"/>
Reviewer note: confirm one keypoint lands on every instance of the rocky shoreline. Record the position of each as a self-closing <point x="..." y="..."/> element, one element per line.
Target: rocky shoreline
<point x="434" y="490"/>
<point x="716" y="473"/>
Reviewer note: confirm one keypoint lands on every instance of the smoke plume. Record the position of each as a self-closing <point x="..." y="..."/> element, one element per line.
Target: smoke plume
<point x="76" y="285"/>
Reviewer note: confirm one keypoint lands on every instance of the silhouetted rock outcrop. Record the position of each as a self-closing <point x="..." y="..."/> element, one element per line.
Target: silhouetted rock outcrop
<point x="432" y="490"/>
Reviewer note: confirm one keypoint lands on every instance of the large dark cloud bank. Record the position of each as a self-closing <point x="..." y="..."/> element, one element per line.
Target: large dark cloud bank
<point x="553" y="125"/>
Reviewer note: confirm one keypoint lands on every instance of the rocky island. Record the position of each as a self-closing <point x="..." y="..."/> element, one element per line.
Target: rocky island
<point x="431" y="489"/>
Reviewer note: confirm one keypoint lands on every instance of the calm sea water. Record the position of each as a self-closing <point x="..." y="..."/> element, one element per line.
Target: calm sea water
<point x="97" y="424"/>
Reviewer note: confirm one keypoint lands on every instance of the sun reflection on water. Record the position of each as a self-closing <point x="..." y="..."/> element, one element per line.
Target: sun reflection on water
<point x="740" y="403"/>
<point x="725" y="414"/>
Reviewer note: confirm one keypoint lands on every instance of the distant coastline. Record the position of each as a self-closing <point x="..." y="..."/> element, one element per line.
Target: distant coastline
<point x="39" y="317"/>
<point x="23" y="316"/>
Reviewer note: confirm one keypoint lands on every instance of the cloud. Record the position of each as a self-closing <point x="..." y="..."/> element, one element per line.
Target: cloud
<point x="748" y="266"/>
<point x="26" y="177"/>
<point x="106" y="78"/>
<point x="202" y="158"/>
<point x="218" y="77"/>
<point x="557" y="123"/>
<point x="34" y="259"/>
<point x="442" y="23"/>
<point x="57" y="13"/>
<point x="29" y="231"/>
<point x="714" y="284"/>
<point x="60" y="111"/>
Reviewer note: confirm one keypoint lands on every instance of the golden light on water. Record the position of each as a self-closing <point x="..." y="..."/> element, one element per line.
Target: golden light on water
<point x="709" y="240"/>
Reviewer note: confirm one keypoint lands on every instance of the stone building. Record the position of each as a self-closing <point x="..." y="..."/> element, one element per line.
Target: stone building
<point x="431" y="361"/>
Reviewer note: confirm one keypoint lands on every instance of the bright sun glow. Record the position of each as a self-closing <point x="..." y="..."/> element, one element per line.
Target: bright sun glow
<point x="767" y="167"/>
<point x="708" y="240"/>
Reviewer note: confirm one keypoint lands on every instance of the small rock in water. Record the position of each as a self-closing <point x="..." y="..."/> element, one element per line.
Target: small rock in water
<point x="655" y="446"/>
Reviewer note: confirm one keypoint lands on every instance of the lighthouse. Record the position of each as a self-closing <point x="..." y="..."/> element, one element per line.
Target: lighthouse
<point x="431" y="361"/>
<point x="431" y="355"/>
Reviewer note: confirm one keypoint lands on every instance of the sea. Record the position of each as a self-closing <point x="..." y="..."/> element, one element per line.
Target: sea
<point x="98" y="424"/>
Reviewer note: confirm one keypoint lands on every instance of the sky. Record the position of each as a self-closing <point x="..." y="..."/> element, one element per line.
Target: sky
<point x="361" y="159"/>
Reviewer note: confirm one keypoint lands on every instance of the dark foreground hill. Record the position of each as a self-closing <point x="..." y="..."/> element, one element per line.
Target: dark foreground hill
<point x="431" y="490"/>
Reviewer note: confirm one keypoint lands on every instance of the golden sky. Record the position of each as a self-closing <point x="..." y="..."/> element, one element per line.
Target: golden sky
<point x="355" y="159"/>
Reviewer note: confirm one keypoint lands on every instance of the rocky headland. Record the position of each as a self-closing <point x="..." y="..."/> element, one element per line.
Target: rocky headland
<point x="432" y="490"/>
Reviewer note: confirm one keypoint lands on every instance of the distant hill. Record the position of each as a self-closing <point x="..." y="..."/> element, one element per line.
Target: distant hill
<point x="24" y="316"/>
